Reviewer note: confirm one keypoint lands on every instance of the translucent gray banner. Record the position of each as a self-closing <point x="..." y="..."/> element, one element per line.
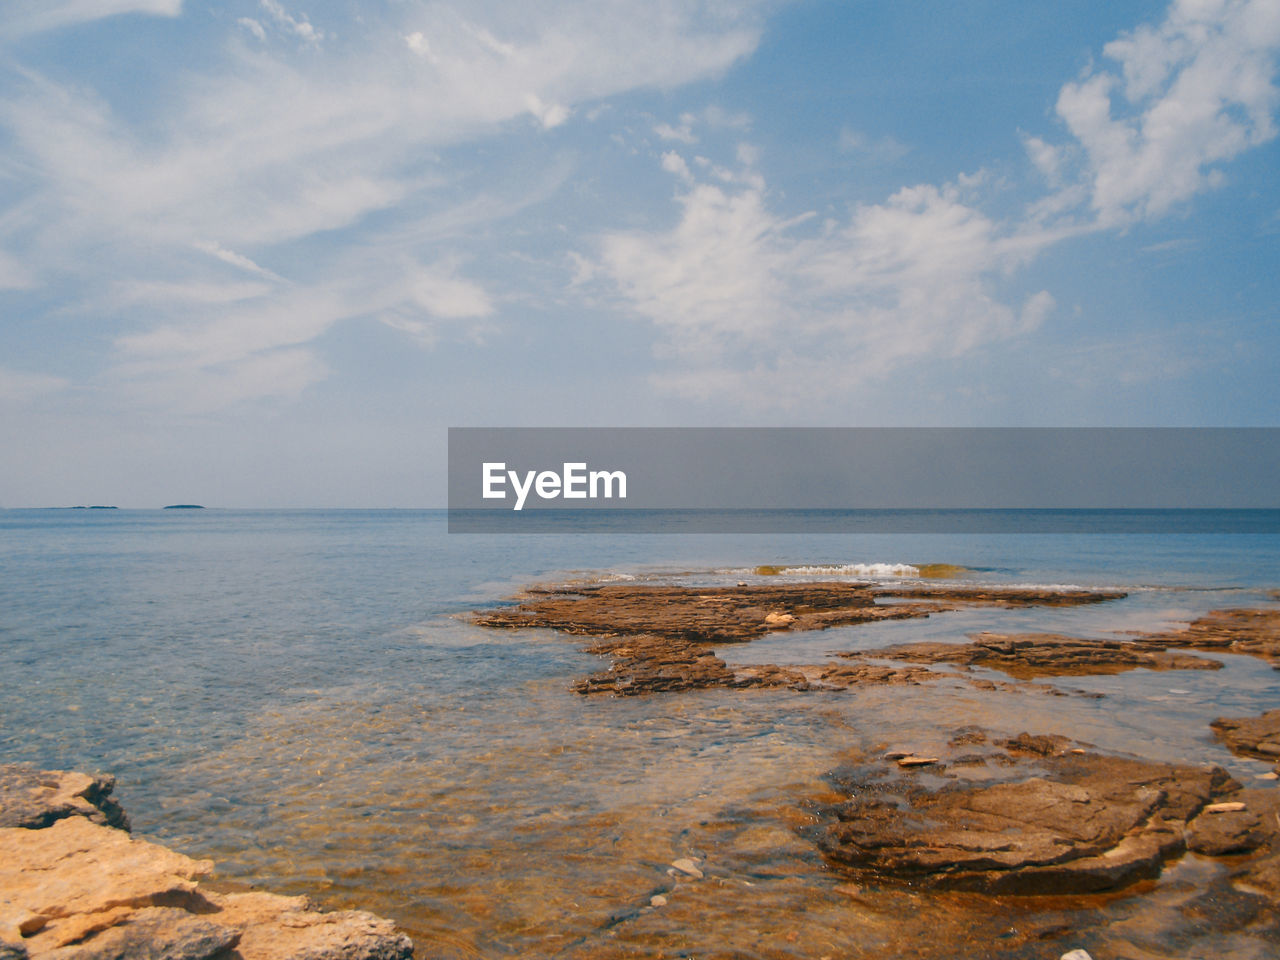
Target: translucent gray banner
<point x="870" y="480"/>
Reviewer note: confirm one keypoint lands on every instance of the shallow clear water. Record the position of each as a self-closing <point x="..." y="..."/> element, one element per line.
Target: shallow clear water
<point x="292" y="694"/>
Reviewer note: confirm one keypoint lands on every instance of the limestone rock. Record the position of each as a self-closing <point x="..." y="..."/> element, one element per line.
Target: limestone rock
<point x="154" y="933"/>
<point x="291" y="928"/>
<point x="79" y="890"/>
<point x="34" y="798"/>
<point x="1219" y="834"/>
<point x="1089" y="823"/>
<point x="741" y="613"/>
<point x="1029" y="655"/>
<point x="1257" y="737"/>
<point x="52" y="879"/>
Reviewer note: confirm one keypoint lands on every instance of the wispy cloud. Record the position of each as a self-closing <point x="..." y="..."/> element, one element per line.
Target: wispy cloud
<point x="22" y="17"/>
<point x="884" y="149"/>
<point x="290" y="138"/>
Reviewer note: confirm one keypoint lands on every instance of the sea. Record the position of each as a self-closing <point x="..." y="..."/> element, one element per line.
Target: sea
<point x="299" y="695"/>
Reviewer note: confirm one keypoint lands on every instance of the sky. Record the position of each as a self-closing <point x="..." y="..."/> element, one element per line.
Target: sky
<point x="263" y="253"/>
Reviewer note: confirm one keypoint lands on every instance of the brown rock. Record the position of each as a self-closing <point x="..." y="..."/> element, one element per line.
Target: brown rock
<point x="275" y="928"/>
<point x="1028" y="655"/>
<point x="742" y="613"/>
<point x="52" y="879"/>
<point x="154" y="933"/>
<point x="1088" y="823"/>
<point x="659" y="637"/>
<point x="1227" y="832"/>
<point x="1254" y="633"/>
<point x="32" y="798"/>
<point x="1250" y="736"/>
<point x="79" y="890"/>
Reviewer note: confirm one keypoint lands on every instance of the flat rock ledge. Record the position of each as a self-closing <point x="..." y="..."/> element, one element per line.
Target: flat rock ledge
<point x="1029" y="655"/>
<point x="660" y="638"/>
<point x="1256" y="737"/>
<point x="741" y="614"/>
<point x="75" y="885"/>
<point x="1061" y="820"/>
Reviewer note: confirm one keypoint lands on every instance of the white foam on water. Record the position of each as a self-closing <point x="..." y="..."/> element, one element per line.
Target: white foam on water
<point x="855" y="570"/>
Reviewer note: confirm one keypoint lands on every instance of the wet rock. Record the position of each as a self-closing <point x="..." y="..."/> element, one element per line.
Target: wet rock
<point x="688" y="867"/>
<point x="1085" y="823"/>
<point x="645" y="664"/>
<point x="1044" y="745"/>
<point x="1254" y="633"/>
<point x="739" y="614"/>
<point x="1029" y="655"/>
<point x="660" y="638"/>
<point x="1219" y="833"/>
<point x="32" y="798"/>
<point x="914" y="761"/>
<point x="698" y="614"/>
<point x="1262" y="875"/>
<point x="1257" y="737"/>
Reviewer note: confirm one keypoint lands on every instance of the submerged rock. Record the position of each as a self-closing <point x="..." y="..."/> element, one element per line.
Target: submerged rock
<point x="1257" y="737"/>
<point x="1075" y="823"/>
<point x="1028" y="655"/>
<point x="75" y="888"/>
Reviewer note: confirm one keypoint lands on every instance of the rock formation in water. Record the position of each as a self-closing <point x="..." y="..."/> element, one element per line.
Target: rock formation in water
<point x="1042" y="818"/>
<point x="75" y="885"/>
<point x="1257" y="737"/>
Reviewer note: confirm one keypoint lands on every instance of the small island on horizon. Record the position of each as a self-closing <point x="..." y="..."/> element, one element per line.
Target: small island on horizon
<point x="185" y="506"/>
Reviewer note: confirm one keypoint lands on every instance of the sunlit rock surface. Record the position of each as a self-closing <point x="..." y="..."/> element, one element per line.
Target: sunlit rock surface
<point x="73" y="887"/>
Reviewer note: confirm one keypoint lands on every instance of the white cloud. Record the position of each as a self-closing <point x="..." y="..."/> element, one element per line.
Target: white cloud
<point x="884" y="149"/>
<point x="750" y="305"/>
<point x="742" y="295"/>
<point x="254" y="27"/>
<point x="672" y="162"/>
<point x="1192" y="92"/>
<point x="442" y="293"/>
<point x="683" y="133"/>
<point x="713" y="117"/>
<point x="548" y="114"/>
<point x="21" y="17"/>
<point x="215" y="249"/>
<point x="300" y="27"/>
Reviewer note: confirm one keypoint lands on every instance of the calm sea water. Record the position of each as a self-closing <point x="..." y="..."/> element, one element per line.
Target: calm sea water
<point x="291" y="693"/>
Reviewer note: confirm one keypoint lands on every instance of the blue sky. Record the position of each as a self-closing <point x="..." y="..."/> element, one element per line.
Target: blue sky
<point x="264" y="252"/>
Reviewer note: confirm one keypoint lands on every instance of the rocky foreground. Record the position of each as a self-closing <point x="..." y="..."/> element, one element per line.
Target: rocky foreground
<point x="75" y="885"/>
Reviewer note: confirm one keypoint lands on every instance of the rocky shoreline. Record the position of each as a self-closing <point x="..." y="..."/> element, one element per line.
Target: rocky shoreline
<point x="662" y="638"/>
<point x="1043" y="816"/>
<point x="76" y="885"/>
